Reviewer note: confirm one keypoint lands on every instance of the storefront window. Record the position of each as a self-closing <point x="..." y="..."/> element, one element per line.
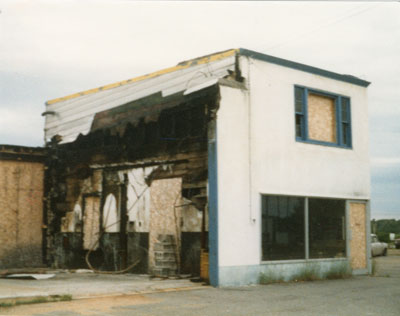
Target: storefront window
<point x="284" y="229"/>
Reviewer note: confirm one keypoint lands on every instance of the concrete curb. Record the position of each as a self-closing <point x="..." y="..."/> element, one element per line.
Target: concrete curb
<point x="36" y="299"/>
<point x="33" y="299"/>
<point x="178" y="289"/>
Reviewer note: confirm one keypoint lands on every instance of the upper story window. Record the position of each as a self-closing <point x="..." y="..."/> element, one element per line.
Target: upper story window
<point x="322" y="118"/>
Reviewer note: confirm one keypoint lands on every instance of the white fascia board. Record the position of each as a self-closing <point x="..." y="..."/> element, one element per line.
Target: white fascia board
<point x="201" y="86"/>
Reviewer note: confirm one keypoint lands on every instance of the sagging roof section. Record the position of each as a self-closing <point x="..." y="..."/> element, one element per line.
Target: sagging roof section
<point x="147" y="109"/>
<point x="72" y="115"/>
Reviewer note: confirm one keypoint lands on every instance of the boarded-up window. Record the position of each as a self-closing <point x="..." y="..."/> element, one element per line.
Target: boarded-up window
<point x="358" y="242"/>
<point x="321" y="118"/>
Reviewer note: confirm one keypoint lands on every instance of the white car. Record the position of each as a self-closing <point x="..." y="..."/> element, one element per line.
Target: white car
<point x="378" y="248"/>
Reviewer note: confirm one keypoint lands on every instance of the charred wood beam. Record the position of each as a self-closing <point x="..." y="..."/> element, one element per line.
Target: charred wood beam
<point x="123" y="224"/>
<point x="21" y="157"/>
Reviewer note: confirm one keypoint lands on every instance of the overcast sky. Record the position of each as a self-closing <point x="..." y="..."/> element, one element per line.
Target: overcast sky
<point x="49" y="49"/>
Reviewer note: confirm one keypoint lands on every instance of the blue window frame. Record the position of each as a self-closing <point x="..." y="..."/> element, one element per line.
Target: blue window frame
<point x="342" y="117"/>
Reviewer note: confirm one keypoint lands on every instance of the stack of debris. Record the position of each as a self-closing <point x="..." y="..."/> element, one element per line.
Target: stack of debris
<point x="165" y="256"/>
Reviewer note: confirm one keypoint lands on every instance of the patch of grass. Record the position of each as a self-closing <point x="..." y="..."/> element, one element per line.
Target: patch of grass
<point x="270" y="277"/>
<point x="61" y="298"/>
<point x="339" y="272"/>
<point x="36" y="300"/>
<point x="6" y="304"/>
<point x="374" y="266"/>
<point x="310" y="272"/>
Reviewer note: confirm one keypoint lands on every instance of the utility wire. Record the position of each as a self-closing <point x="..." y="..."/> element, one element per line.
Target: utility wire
<point x="334" y="22"/>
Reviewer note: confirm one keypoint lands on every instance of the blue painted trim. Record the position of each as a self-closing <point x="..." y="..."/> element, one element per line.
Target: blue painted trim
<point x="306" y="230"/>
<point x="338" y="115"/>
<point x="302" y="113"/>
<point x="350" y="124"/>
<point x="303" y="67"/>
<point x="213" y="205"/>
<point x="322" y="92"/>
<point x="305" y="122"/>
<point x="338" y="112"/>
<point x="318" y="142"/>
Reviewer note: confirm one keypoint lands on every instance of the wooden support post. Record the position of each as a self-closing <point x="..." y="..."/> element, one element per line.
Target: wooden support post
<point x="123" y="226"/>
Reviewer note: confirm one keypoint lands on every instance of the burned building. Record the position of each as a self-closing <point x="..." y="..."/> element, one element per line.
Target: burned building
<point x="238" y="164"/>
<point x="134" y="188"/>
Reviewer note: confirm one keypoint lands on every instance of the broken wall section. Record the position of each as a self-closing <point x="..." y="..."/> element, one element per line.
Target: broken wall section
<point x="130" y="146"/>
<point x="92" y="220"/>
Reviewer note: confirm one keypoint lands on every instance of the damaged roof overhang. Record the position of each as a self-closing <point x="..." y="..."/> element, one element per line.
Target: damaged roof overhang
<point x="145" y="130"/>
<point x="148" y="109"/>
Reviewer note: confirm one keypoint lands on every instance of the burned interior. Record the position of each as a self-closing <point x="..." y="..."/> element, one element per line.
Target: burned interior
<point x="131" y="195"/>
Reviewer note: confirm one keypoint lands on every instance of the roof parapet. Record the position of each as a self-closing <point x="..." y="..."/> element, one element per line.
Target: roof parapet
<point x="303" y="67"/>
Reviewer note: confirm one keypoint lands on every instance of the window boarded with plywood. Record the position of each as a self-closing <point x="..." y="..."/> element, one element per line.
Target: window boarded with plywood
<point x="358" y="241"/>
<point x="321" y="118"/>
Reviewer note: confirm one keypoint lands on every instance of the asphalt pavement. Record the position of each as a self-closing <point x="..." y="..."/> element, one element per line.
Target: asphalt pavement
<point x="361" y="295"/>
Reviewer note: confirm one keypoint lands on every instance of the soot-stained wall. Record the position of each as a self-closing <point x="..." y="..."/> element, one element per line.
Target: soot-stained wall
<point x="100" y="188"/>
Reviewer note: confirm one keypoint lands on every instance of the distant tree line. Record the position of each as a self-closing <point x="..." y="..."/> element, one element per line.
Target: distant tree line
<point x="383" y="227"/>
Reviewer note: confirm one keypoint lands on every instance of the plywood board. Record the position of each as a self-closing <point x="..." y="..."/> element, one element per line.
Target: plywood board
<point x="165" y="194"/>
<point x="358" y="243"/>
<point x="91" y="223"/>
<point x="321" y="118"/>
<point x="21" y="209"/>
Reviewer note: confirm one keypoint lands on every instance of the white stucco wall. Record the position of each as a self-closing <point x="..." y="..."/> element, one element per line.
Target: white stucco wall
<point x="278" y="164"/>
<point x="281" y="165"/>
<point x="237" y="242"/>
